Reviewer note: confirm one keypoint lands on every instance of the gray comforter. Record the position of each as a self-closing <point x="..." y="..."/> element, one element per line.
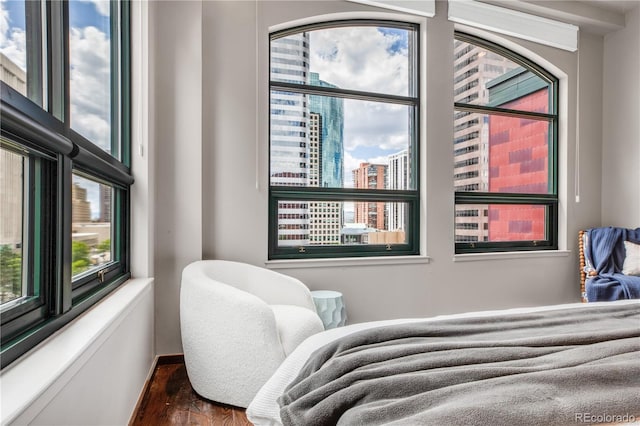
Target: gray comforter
<point x="555" y="367"/>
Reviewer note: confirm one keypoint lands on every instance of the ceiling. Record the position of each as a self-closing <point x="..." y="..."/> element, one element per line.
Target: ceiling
<point x="594" y="16"/>
<point x="617" y="6"/>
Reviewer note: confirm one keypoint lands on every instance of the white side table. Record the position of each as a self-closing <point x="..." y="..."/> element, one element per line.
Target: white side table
<point x="330" y="307"/>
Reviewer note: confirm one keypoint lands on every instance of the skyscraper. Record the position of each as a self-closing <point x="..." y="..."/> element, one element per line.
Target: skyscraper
<point x="331" y="111"/>
<point x="398" y="178"/>
<point x="80" y="207"/>
<point x="370" y="176"/>
<point x="289" y="123"/>
<point x="325" y="217"/>
<point x="11" y="168"/>
<point x="326" y="153"/>
<point x="105" y="203"/>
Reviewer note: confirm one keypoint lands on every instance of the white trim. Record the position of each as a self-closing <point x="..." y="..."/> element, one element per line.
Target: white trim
<point x="346" y="261"/>
<point x="142" y="145"/>
<point x="472" y="257"/>
<point x="338" y="16"/>
<point x="416" y="7"/>
<point x="513" y="23"/>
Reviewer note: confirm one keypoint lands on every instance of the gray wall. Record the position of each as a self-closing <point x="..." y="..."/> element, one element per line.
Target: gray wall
<point x="232" y="189"/>
<point x="621" y="126"/>
<point x="176" y="120"/>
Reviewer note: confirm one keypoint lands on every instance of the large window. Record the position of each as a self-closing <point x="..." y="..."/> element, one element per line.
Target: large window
<point x="343" y="168"/>
<point x="505" y="150"/>
<point x="64" y="163"/>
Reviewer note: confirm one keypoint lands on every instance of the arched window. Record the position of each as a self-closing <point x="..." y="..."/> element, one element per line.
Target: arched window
<point x="505" y="150"/>
<point x="343" y="140"/>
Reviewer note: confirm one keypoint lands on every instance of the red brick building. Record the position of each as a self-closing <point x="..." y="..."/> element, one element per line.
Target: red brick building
<point x="518" y="157"/>
<point x="370" y="176"/>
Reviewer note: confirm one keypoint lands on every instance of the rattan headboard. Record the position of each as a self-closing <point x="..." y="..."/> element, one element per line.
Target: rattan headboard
<point x="582" y="237"/>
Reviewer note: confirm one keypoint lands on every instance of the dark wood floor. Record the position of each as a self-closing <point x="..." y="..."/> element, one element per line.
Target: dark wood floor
<point x="169" y="399"/>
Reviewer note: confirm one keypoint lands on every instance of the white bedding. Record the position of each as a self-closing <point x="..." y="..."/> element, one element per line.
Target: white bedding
<point x="264" y="409"/>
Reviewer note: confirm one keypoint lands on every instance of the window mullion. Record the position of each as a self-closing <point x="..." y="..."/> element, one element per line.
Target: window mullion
<point x="124" y="103"/>
<point x="503" y="198"/>
<point x="342" y="93"/>
<point x="115" y="78"/>
<point x="62" y="295"/>
<point x="33" y="16"/>
<point x="58" y="60"/>
<point x="484" y="109"/>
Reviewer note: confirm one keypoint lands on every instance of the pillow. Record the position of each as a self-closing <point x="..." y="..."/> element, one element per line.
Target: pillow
<point x="631" y="264"/>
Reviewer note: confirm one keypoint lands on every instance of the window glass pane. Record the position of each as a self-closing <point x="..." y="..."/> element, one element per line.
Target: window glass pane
<point x="91" y="224"/>
<point x="11" y="225"/>
<point x="90" y="67"/>
<point x="500" y="222"/>
<point x="482" y="77"/>
<point x="21" y="47"/>
<point x="323" y="141"/>
<point x="337" y="223"/>
<point x="363" y="58"/>
<point x="496" y="153"/>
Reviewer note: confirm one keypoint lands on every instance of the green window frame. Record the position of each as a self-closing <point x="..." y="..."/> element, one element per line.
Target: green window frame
<point x="37" y="126"/>
<point x="304" y="195"/>
<point x="468" y="197"/>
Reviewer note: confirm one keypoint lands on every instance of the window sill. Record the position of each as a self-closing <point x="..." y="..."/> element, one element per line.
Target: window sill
<point x="47" y="367"/>
<point x="473" y="257"/>
<point x="346" y="261"/>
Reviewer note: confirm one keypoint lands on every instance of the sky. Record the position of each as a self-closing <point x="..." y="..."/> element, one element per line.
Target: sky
<point x="367" y="59"/>
<point x="89" y="61"/>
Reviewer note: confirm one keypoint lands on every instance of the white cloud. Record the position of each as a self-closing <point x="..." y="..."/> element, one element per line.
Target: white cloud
<point x="12" y="39"/>
<point x="90" y="84"/>
<point x="366" y="59"/>
<point x="4" y="22"/>
<point x="373" y="124"/>
<point x="102" y="6"/>
<point x="360" y="58"/>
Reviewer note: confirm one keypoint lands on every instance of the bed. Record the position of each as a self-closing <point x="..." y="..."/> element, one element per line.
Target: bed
<point x="563" y="364"/>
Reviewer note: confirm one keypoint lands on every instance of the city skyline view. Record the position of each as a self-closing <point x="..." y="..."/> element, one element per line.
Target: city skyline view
<point x="365" y="59"/>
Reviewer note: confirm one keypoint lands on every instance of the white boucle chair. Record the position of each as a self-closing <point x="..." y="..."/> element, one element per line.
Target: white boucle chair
<point x="238" y="323"/>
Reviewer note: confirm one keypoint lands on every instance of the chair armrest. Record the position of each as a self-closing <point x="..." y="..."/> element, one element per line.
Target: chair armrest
<point x="279" y="289"/>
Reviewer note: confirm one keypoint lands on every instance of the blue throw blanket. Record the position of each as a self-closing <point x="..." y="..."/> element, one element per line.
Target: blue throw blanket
<point x="605" y="250"/>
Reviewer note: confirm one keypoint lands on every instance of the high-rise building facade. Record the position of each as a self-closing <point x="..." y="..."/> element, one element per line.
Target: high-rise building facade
<point x="519" y="156"/>
<point x="398" y="178"/>
<point x="331" y="111"/>
<point x="473" y="68"/>
<point x="80" y="206"/>
<point x="289" y="155"/>
<point x="370" y="176"/>
<point x="105" y="203"/>
<point x="325" y="217"/>
<point x="11" y="168"/>
<point x="326" y="153"/>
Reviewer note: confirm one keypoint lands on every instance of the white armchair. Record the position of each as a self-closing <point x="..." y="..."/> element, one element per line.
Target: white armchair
<point x="238" y="323"/>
